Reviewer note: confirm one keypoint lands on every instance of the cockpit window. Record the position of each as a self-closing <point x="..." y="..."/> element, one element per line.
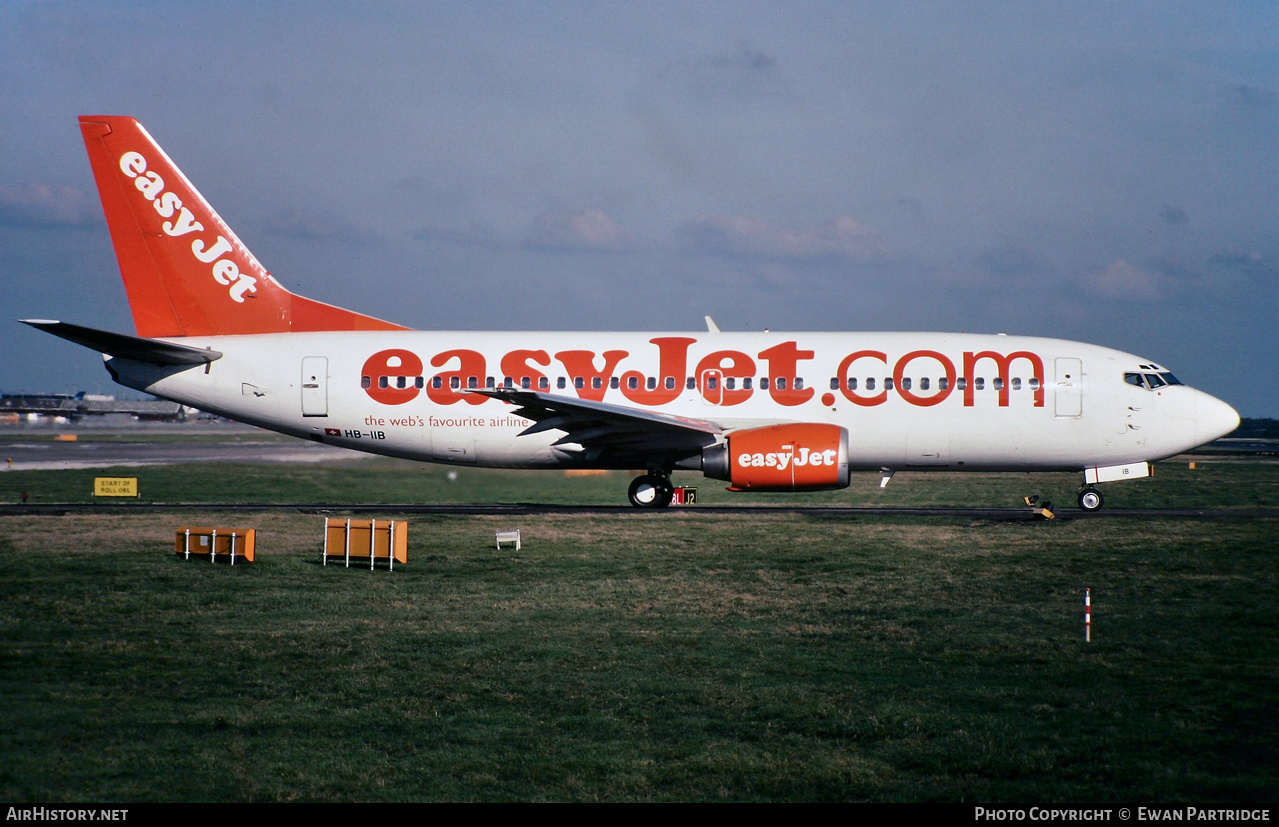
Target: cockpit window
<point x="1151" y="381"/>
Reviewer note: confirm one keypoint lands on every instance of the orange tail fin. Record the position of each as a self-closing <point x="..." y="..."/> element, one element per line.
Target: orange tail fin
<point x="185" y="272"/>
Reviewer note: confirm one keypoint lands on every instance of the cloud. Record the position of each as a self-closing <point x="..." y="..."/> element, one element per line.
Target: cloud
<point x="587" y="230"/>
<point x="1173" y="215"/>
<point x="1255" y="96"/>
<point x="473" y="234"/>
<point x="308" y="225"/>
<point x="745" y="59"/>
<point x="1011" y="262"/>
<point x="1127" y="282"/>
<point x="738" y="235"/>
<point x="1244" y="270"/>
<point x="729" y="78"/>
<point x="47" y="205"/>
<point x="1248" y="261"/>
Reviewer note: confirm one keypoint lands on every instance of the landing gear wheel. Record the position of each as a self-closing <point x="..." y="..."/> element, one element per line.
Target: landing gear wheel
<point x="651" y="491"/>
<point x="1090" y="499"/>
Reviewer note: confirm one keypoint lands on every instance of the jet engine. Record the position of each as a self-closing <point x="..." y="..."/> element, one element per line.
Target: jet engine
<point x="794" y="457"/>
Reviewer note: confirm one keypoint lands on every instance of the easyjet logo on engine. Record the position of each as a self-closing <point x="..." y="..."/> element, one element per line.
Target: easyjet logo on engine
<point x="782" y="460"/>
<point x="168" y="204"/>
<point x="788" y="457"/>
<point x="722" y="377"/>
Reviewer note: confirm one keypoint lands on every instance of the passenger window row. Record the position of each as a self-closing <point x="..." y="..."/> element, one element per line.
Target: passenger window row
<point x="870" y="383"/>
<point x="852" y="383"/>
<point x="561" y="383"/>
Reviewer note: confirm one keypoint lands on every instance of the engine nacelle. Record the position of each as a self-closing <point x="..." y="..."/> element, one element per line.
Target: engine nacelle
<point x="796" y="457"/>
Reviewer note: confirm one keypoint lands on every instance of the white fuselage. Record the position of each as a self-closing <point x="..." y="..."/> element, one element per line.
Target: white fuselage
<point x="908" y="400"/>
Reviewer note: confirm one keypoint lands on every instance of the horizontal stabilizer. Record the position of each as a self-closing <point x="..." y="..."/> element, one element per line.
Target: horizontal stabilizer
<point x="126" y="347"/>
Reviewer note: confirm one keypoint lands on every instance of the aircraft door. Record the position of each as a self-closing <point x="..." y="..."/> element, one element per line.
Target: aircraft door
<point x="315" y="386"/>
<point x="1068" y="395"/>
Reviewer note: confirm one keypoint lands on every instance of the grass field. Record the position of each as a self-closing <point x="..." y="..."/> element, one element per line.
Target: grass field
<point x="1214" y="483"/>
<point x="680" y="656"/>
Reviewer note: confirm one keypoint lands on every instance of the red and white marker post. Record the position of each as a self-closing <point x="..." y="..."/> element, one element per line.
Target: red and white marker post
<point x="1088" y="615"/>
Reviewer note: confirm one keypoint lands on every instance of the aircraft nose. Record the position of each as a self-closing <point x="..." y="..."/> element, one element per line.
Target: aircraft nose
<point x="1213" y="418"/>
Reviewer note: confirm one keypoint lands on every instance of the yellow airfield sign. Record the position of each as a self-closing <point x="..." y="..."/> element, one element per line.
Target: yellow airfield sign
<point x="115" y="486"/>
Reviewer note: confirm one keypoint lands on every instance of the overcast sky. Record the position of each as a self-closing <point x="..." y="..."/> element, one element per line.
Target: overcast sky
<point x="1104" y="172"/>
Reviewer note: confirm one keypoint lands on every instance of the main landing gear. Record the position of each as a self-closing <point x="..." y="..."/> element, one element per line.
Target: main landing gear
<point x="652" y="490"/>
<point x="1090" y="499"/>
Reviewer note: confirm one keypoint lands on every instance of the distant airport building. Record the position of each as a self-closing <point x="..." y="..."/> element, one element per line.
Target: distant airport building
<point x="68" y="406"/>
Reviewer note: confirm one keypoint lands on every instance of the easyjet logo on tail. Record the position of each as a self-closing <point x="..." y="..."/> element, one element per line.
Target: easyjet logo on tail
<point x="182" y="222"/>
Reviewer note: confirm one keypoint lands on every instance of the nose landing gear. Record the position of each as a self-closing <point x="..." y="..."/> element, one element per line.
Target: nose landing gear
<point x="1090" y="499"/>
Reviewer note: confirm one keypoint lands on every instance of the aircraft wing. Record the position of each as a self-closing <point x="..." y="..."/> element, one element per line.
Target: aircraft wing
<point x="629" y="437"/>
<point x="126" y="347"/>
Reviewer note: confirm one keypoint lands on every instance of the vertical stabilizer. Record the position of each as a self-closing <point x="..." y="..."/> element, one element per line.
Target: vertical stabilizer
<point x="185" y="272"/>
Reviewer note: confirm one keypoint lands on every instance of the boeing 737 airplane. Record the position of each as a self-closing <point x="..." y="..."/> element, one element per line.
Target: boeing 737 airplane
<point x="762" y="411"/>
